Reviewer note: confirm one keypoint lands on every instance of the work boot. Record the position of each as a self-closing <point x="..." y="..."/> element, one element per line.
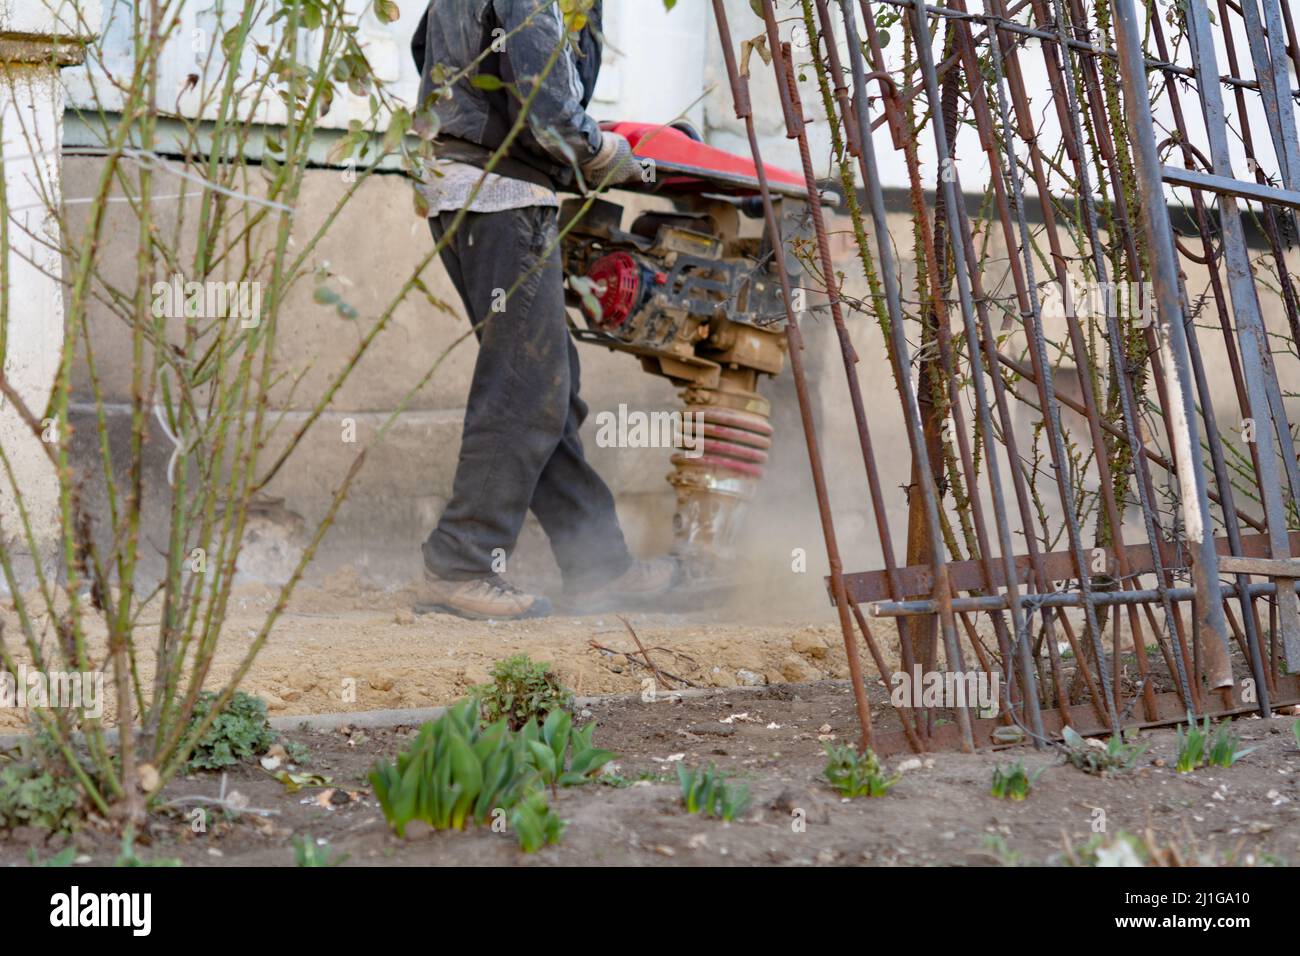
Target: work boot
<point x="639" y="586"/>
<point x="478" y="599"/>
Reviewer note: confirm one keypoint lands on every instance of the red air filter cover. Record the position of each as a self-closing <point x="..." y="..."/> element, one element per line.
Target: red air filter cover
<point x="617" y="280"/>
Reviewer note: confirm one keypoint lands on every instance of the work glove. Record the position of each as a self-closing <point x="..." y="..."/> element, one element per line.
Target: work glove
<point x="613" y="163"/>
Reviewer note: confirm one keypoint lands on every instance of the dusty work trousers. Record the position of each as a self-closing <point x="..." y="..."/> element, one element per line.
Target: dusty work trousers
<point x="520" y="447"/>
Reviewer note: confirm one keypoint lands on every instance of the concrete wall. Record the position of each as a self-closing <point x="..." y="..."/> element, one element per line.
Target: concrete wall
<point x="30" y="96"/>
<point x="34" y="46"/>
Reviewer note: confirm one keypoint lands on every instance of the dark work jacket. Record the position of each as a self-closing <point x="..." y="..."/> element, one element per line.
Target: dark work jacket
<point x="473" y="122"/>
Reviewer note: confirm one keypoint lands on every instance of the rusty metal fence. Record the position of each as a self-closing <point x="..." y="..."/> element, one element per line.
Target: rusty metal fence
<point x="1173" y="588"/>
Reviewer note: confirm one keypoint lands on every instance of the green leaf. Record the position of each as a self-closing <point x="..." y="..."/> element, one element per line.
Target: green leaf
<point x="543" y="760"/>
<point x="491" y="739"/>
<point x="530" y="732"/>
<point x="589" y="761"/>
<point x="293" y="782"/>
<point x="398" y="126"/>
<point x="556" y="733"/>
<point x="344" y="147"/>
<point x="487" y="82"/>
<point x="1241" y="753"/>
<point x="406" y="797"/>
<point x="467" y="773"/>
<point x="582" y="737"/>
<point x="528" y="828"/>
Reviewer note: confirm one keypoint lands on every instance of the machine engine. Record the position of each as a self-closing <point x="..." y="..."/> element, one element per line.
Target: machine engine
<point x="701" y="306"/>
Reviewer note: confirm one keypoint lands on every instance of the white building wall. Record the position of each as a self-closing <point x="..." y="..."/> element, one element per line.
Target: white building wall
<point x="31" y="113"/>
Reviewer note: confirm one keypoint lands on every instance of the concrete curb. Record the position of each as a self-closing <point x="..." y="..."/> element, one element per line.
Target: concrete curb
<point x="419" y="715"/>
<point x="414" y="716"/>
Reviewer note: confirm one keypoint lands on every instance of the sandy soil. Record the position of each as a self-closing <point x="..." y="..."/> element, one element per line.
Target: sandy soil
<point x="347" y="648"/>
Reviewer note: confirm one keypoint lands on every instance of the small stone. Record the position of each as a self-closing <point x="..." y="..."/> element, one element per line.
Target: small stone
<point x="796" y="670"/>
<point x="810" y="643"/>
<point x="148" y="777"/>
<point x="749" y="679"/>
<point x="404" y="616"/>
<point x="912" y="763"/>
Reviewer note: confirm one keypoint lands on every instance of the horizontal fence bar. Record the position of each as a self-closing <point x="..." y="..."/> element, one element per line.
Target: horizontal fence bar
<point x="1227" y="186"/>
<point x="867" y="586"/>
<point x="1000" y="602"/>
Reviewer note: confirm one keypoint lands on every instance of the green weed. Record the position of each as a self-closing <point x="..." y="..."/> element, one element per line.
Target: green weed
<point x="854" y="774"/>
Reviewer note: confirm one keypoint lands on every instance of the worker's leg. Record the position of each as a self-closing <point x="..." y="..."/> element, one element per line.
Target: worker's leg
<point x="520" y="422"/>
<point x="575" y="507"/>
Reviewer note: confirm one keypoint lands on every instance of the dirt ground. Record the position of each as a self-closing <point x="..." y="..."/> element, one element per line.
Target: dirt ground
<point x="344" y="648"/>
<point x="777" y="692"/>
<point x="940" y="813"/>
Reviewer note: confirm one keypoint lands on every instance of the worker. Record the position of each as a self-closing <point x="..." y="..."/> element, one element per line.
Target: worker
<point x="520" y="448"/>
